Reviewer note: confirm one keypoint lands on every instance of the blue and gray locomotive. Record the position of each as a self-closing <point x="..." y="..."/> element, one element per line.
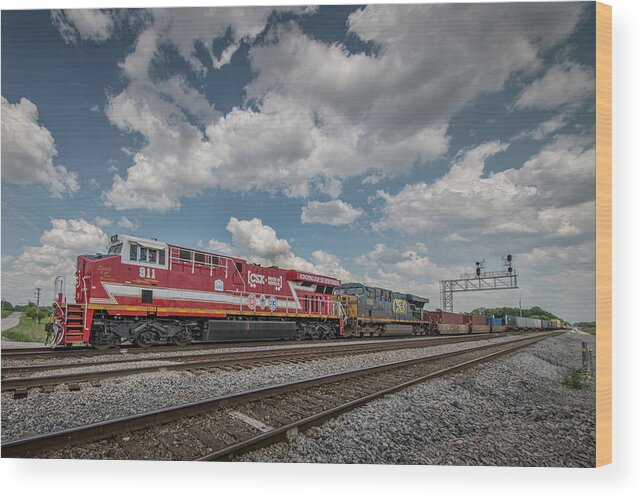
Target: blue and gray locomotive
<point x="373" y="311"/>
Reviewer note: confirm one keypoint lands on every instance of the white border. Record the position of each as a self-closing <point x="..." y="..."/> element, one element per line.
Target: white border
<point x="69" y="479"/>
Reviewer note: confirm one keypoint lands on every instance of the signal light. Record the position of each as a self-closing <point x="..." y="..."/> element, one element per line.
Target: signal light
<point x="509" y="258"/>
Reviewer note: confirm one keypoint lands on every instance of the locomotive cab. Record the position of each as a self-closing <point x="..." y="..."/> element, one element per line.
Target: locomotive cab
<point x="128" y="258"/>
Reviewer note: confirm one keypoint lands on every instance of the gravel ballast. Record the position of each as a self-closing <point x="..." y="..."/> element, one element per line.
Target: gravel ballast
<point x="516" y="411"/>
<point x="10" y="344"/>
<point x="134" y="353"/>
<point x="42" y="412"/>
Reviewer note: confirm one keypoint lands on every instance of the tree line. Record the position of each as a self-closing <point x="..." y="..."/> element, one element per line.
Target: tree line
<point x="29" y="309"/>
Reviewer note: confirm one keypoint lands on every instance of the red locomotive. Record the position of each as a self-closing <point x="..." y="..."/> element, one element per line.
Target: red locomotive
<point x="149" y="292"/>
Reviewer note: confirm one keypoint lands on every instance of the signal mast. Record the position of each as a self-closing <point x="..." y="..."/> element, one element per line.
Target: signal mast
<point x="481" y="280"/>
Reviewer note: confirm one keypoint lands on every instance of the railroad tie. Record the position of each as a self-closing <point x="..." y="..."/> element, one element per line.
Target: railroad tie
<point x="20" y="393"/>
<point x="250" y="421"/>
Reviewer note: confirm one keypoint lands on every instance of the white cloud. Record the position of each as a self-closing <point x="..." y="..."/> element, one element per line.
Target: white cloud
<point x="279" y="148"/>
<point x="103" y="222"/>
<point x="258" y="240"/>
<point x="185" y="26"/>
<point x="550" y="196"/>
<point x="259" y="243"/>
<point x="320" y="114"/>
<point x="561" y="279"/>
<point x="126" y="223"/>
<point x="409" y="262"/>
<point x="75" y="235"/>
<point x="407" y="271"/>
<point x="568" y="83"/>
<point x="333" y="212"/>
<point x="455" y="237"/>
<point x="220" y="247"/>
<point x="39" y="265"/>
<point x="372" y="179"/>
<point x="548" y="127"/>
<point x="83" y="24"/>
<point x="417" y="79"/>
<point x="331" y="265"/>
<point x="28" y="150"/>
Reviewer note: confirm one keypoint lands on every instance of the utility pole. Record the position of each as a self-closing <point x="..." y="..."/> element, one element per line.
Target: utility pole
<point x="37" y="294"/>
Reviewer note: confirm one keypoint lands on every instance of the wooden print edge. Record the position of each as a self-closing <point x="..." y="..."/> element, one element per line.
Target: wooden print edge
<point x="603" y="234"/>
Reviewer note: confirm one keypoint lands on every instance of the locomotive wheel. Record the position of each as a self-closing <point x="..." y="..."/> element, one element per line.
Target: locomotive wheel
<point x="141" y="343"/>
<point x="105" y="345"/>
<point x="104" y="340"/>
<point x="145" y="339"/>
<point x="183" y="338"/>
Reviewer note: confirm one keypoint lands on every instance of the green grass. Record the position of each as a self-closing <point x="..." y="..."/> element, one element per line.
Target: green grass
<point x="574" y="380"/>
<point x="6" y="313"/>
<point x="27" y="330"/>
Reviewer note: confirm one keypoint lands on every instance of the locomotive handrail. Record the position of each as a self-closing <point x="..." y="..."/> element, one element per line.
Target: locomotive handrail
<point x="175" y="257"/>
<point x="85" y="302"/>
<point x="239" y="273"/>
<point x="60" y="282"/>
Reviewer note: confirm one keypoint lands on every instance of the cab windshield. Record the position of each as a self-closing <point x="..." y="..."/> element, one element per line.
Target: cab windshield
<point x="116" y="249"/>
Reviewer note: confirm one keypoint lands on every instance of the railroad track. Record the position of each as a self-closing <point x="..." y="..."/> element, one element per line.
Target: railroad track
<point x="203" y="361"/>
<point x="48" y="352"/>
<point x="224" y="427"/>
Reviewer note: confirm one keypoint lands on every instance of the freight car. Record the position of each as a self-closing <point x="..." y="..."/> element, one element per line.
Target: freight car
<point x="478" y="323"/>
<point x="447" y="323"/>
<point x="528" y="323"/>
<point x="149" y="292"/>
<point x="496" y="324"/>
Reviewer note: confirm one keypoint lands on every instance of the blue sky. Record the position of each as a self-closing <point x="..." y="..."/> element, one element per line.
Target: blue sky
<point x="390" y="144"/>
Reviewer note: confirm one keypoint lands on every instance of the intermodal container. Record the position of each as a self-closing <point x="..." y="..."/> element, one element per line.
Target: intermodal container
<point x="447" y="317"/>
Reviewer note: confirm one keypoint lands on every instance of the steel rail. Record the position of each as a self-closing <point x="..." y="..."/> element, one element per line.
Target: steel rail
<point x="242" y="359"/>
<point x="88" y="351"/>
<point x="26" y="353"/>
<point x="8" y="371"/>
<point x="280" y="434"/>
<point x="24" y="447"/>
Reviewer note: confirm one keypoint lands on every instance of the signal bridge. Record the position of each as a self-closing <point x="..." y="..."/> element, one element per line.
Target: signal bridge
<point x="479" y="281"/>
